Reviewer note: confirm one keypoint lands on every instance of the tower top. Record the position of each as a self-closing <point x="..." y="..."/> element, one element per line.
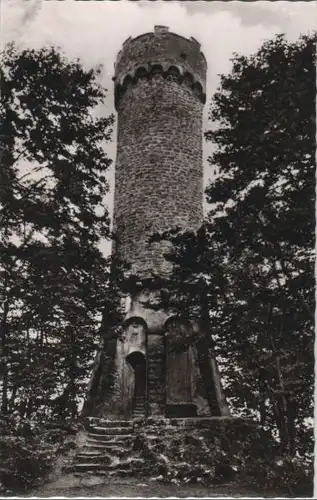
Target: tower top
<point x="161" y="50"/>
<point x="163" y="31"/>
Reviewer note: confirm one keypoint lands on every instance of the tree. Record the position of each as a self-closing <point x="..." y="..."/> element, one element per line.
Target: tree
<point x="54" y="280"/>
<point x="264" y="213"/>
<point x="253" y="258"/>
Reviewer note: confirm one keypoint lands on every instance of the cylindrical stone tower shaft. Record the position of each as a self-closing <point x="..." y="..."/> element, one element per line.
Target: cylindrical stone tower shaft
<point x="159" y="96"/>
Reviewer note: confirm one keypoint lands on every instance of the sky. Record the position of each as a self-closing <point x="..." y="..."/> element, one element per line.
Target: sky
<point x="95" y="30"/>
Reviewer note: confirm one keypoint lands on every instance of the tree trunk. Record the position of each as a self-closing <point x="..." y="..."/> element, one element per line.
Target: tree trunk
<point x="279" y="400"/>
<point x="72" y="375"/>
<point x="93" y="384"/>
<point x="262" y="393"/>
<point x="291" y="416"/>
<point x="283" y="404"/>
<point x="4" y="348"/>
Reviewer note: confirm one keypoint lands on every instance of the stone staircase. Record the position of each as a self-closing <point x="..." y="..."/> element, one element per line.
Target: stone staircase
<point x="108" y="450"/>
<point x="139" y="407"/>
<point x="156" y="375"/>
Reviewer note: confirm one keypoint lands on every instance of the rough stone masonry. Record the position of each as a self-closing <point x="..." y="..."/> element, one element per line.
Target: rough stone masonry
<point x="159" y="93"/>
<point x="160" y="80"/>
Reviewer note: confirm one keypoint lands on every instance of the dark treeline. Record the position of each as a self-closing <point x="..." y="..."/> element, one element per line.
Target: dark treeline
<point x="54" y="280"/>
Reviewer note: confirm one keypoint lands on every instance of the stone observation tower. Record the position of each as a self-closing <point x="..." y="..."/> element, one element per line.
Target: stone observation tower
<point x="159" y="81"/>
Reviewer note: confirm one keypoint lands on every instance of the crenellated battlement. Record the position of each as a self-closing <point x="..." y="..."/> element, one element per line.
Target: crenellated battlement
<point x="171" y="73"/>
<point x="164" y="53"/>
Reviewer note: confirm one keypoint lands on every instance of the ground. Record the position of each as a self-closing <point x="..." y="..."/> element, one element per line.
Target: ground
<point x="94" y="486"/>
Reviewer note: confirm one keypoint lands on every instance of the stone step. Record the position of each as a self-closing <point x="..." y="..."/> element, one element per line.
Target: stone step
<point x="91" y="453"/>
<point x="109" y="438"/>
<point x="122" y="473"/>
<point x="133" y="465"/>
<point x="106" y="447"/>
<point x="87" y="467"/>
<point x="101" y="458"/>
<point x="116" y="431"/>
<point x="109" y="432"/>
<point x="101" y="422"/>
<point x="115" y="455"/>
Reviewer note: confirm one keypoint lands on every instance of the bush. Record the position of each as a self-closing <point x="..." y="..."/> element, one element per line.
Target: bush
<point x="27" y="451"/>
<point x="284" y="474"/>
<point x="221" y="454"/>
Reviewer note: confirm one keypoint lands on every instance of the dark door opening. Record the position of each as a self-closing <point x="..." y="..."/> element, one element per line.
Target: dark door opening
<point x="137" y="362"/>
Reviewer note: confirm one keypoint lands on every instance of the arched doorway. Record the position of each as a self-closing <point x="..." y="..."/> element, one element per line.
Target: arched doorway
<point x="136" y="360"/>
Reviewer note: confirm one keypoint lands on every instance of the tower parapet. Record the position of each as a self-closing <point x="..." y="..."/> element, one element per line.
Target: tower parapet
<point x="175" y="57"/>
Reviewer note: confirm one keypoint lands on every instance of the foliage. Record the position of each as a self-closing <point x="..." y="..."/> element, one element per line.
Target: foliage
<point x="26" y="453"/>
<point x="264" y="226"/>
<point x="54" y="281"/>
<point x="219" y="455"/>
<point x="251" y="264"/>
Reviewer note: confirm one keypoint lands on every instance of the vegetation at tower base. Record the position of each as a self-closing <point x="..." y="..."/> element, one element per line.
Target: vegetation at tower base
<point x="253" y="258"/>
<point x="199" y="450"/>
<point x="54" y="283"/>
